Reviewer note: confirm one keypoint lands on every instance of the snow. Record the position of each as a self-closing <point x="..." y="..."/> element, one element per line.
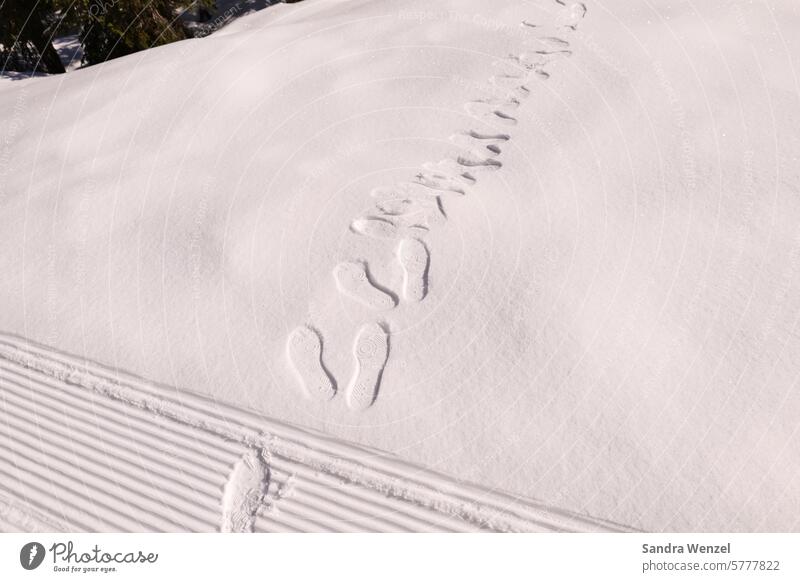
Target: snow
<point x="609" y="319"/>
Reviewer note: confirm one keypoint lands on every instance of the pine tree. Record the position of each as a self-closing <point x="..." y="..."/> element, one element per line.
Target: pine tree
<point x="114" y="28"/>
<point x="26" y="29"/>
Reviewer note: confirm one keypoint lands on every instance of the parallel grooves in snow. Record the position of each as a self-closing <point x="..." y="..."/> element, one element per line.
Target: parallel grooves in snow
<point x="74" y="492"/>
<point x="293" y="521"/>
<point x="22" y="484"/>
<point x="132" y="416"/>
<point x="19" y="515"/>
<point x="369" y="514"/>
<point x="318" y="521"/>
<point x="340" y="508"/>
<point x="156" y="458"/>
<point x="413" y="517"/>
<point x="136" y="494"/>
<point x="111" y="467"/>
<point x="207" y="485"/>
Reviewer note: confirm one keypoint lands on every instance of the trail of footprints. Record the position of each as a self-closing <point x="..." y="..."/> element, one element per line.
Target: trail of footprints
<point x="406" y="212"/>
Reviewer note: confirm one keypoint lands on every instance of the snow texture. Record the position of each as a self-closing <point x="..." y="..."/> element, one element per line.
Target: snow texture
<point x="605" y="314"/>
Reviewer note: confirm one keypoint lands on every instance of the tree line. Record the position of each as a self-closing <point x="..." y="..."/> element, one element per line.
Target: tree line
<point x="107" y="29"/>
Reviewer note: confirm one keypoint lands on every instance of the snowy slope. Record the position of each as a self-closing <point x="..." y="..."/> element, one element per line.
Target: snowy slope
<point x="604" y="318"/>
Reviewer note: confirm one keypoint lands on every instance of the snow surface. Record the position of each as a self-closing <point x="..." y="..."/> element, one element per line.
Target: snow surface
<point x="607" y="323"/>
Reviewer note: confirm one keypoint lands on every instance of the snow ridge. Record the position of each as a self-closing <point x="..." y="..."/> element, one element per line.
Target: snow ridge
<point x="118" y="453"/>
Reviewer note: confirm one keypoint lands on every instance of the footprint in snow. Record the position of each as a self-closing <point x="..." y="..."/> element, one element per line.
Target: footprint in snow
<point x="483" y="144"/>
<point x="572" y="14"/>
<point x="414" y="259"/>
<point x="478" y="163"/>
<point x="371" y="350"/>
<point x="402" y="206"/>
<point x="426" y="212"/>
<point x="545" y="55"/>
<point x="491" y="111"/>
<point x="510" y="85"/>
<point x="244" y="493"/>
<point x="379" y="227"/>
<point x="414" y="190"/>
<point x="353" y="280"/>
<point x="304" y="350"/>
<point x="442" y="182"/>
<point x="465" y="164"/>
<point x="533" y="63"/>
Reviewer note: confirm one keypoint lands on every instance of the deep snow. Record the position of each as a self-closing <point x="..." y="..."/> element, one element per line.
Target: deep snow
<point x="607" y="322"/>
